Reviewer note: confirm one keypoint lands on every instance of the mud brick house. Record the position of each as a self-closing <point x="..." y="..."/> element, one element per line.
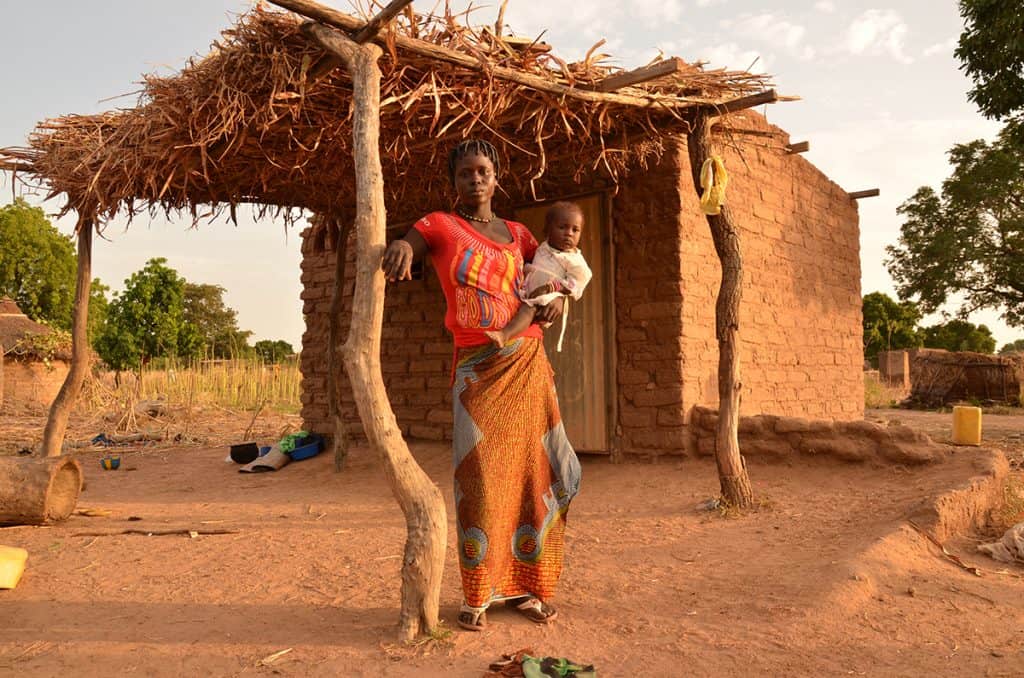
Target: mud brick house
<point x="30" y="374"/>
<point x="266" y="119"/>
<point x="641" y="352"/>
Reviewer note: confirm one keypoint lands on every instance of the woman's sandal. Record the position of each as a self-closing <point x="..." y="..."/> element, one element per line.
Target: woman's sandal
<point x="536" y="610"/>
<point x="472" y="619"/>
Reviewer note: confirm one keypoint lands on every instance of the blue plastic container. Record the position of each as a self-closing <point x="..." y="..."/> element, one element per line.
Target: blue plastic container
<point x="311" y="448"/>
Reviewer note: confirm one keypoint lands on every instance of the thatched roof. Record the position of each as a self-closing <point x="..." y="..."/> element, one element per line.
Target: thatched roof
<point x="17" y="329"/>
<point x="265" y="119"/>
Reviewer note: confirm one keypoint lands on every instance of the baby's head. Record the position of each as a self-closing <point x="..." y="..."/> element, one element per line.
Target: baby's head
<point x="563" y="225"/>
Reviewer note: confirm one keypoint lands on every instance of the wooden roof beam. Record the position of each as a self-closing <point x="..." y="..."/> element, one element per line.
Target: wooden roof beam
<point x="350" y="24"/>
<point x="870" y="193"/>
<point x="769" y="96"/>
<point x="636" y="76"/>
<point x="799" y="147"/>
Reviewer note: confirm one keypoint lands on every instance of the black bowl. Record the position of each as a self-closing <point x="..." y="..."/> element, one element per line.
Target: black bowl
<point x="243" y="453"/>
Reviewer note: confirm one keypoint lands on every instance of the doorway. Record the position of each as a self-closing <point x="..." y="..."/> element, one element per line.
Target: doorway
<point x="584" y="370"/>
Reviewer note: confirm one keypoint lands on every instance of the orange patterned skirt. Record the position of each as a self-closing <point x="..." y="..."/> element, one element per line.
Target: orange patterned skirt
<point x="515" y="473"/>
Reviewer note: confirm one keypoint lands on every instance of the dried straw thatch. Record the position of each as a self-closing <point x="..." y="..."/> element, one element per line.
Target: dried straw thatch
<point x="265" y="118"/>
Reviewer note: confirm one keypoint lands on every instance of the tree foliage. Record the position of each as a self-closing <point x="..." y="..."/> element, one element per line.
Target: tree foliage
<point x="967" y="244"/>
<point x="37" y="264"/>
<point x="991" y="50"/>
<point x="146" y="320"/>
<point x="217" y="324"/>
<point x="273" y="351"/>
<point x="959" y="335"/>
<point x="889" y="325"/>
<point x="1013" y="347"/>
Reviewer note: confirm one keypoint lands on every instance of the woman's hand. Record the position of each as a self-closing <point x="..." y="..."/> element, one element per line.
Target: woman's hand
<point x="397" y="262"/>
<point x="551" y="312"/>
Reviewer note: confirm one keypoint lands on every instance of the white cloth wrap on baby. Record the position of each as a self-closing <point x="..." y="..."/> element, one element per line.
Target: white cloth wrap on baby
<point x="551" y="264"/>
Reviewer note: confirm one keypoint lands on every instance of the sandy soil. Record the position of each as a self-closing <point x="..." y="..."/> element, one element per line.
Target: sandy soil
<point x="825" y="578"/>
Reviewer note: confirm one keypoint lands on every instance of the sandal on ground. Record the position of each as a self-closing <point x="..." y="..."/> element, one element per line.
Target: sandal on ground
<point x="535" y="610"/>
<point x="472" y="618"/>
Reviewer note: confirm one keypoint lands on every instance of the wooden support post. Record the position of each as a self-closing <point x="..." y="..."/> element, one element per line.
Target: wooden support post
<point x="732" y="470"/>
<point x="57" y="421"/>
<point x="340" y="437"/>
<point x="419" y="498"/>
<point x="640" y="75"/>
<point x="799" y="147"/>
<point x="870" y="193"/>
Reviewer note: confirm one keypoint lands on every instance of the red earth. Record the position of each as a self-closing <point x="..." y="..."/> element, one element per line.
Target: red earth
<point x="825" y="577"/>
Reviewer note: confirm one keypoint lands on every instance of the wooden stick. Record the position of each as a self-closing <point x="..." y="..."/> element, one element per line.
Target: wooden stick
<point x="60" y="410"/>
<point x="499" y="23"/>
<point x="154" y="533"/>
<point x="870" y="193"/>
<point x="799" y="147"/>
<point x="332" y="17"/>
<point x="732" y="470"/>
<point x="638" y="75"/>
<point x="373" y="26"/>
<point x="417" y="495"/>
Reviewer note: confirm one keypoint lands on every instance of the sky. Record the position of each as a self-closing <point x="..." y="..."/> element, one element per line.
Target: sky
<point x="882" y="101"/>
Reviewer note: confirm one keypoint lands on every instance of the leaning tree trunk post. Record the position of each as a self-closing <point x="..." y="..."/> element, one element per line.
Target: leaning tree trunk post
<point x="341" y="441"/>
<point x="57" y="421"/>
<point x="732" y="469"/>
<point x="419" y="498"/>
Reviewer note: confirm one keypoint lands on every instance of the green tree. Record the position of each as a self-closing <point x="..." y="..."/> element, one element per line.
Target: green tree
<point x="37" y="264"/>
<point x="991" y="50"/>
<point x="1013" y="347"/>
<point x="215" y="322"/>
<point x="273" y="351"/>
<point x="98" y="305"/>
<point x="967" y="244"/>
<point x="146" y="320"/>
<point x="959" y="335"/>
<point x="889" y="325"/>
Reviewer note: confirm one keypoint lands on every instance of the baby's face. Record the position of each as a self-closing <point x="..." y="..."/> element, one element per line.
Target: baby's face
<point x="564" y="232"/>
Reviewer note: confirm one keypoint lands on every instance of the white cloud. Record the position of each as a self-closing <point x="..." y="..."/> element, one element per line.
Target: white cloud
<point x="732" y="56"/>
<point x="944" y="47"/>
<point x="826" y="6"/>
<point x="877" y="32"/>
<point x="773" y="30"/>
<point x="708" y="3"/>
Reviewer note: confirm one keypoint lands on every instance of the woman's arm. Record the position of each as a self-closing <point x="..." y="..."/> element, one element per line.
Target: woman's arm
<point x="400" y="255"/>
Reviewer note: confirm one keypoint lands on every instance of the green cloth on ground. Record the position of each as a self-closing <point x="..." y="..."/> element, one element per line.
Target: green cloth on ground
<point x="555" y="667"/>
<point x="290" y="441"/>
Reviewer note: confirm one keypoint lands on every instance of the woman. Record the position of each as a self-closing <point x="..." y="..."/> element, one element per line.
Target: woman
<point x="515" y="471"/>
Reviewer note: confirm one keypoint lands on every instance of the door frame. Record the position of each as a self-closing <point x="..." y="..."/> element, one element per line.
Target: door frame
<point x="607" y="291"/>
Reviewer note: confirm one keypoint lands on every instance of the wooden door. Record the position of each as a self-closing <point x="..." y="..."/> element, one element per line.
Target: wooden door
<point x="582" y="368"/>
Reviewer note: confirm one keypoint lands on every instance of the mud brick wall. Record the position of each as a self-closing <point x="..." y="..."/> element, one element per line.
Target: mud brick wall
<point x="30" y="385"/>
<point x="800" y="317"/>
<point x="416" y="351"/>
<point x="773" y="438"/>
<point x="646" y="223"/>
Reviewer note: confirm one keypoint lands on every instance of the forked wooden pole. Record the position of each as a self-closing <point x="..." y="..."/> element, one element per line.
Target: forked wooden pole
<point x="732" y="470"/>
<point x="60" y="410"/>
<point x="419" y="498"/>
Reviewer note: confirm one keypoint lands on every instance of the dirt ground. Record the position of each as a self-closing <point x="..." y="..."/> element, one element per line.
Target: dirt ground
<point x="825" y="578"/>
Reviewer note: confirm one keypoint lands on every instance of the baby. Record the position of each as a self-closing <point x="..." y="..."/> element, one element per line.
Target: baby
<point x="558" y="269"/>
